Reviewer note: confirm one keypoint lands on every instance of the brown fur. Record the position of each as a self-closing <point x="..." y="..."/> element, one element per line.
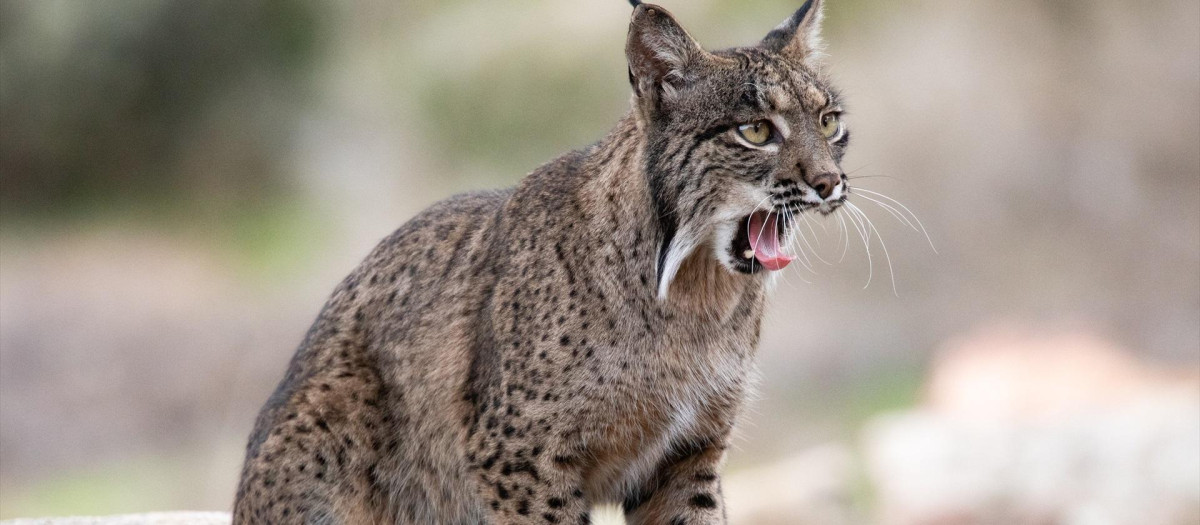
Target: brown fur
<point x="511" y="357"/>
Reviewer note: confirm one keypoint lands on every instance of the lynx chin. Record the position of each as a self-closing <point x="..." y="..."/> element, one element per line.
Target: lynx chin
<point x="517" y="356"/>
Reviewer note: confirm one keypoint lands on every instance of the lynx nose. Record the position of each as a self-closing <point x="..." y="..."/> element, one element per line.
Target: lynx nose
<point x="824" y="183"/>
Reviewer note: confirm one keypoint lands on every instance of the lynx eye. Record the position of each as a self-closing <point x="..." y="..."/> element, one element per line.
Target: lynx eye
<point x="831" y="125"/>
<point x="757" y="133"/>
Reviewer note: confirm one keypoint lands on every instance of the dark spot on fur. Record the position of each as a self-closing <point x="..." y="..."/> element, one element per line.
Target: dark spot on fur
<point x="703" y="501"/>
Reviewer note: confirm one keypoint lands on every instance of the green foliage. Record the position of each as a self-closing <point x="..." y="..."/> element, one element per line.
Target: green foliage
<point x="106" y="101"/>
<point x="515" y="112"/>
<point x="885" y="389"/>
<point x="131" y="486"/>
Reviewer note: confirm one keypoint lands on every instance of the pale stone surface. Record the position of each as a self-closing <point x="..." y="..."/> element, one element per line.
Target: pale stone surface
<point x="157" y="518"/>
<point x="1029" y="430"/>
<point x="814" y="487"/>
<point x="606" y="515"/>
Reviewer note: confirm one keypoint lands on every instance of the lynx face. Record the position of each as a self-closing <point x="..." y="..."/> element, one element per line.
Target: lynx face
<point x="740" y="142"/>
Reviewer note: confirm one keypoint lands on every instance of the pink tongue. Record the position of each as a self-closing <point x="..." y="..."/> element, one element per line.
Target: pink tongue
<point x="764" y="238"/>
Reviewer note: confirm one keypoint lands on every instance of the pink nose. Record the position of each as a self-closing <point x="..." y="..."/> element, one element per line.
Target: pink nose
<point x="824" y="183"/>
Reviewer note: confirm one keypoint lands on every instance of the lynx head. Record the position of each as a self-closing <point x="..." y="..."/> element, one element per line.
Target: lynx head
<point x="739" y="142"/>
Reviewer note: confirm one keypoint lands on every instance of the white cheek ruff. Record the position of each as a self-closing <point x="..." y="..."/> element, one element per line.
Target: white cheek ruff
<point x="682" y="245"/>
<point x="722" y="240"/>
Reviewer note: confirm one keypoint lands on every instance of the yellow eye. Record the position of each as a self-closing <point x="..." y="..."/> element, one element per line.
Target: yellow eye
<point x="757" y="133"/>
<point x="831" y="124"/>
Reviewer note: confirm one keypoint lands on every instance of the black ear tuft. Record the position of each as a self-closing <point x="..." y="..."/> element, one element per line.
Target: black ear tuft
<point x="798" y="37"/>
<point x="635" y="3"/>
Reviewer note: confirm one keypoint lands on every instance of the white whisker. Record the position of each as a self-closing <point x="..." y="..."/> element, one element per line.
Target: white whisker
<point x="761" y="229"/>
<point x="843" y="236"/>
<point x="895" y="213"/>
<point x="784" y="249"/>
<point x="810" y="228"/>
<point x="910" y="212"/>
<point x="810" y="246"/>
<point x="814" y="232"/>
<point x="789" y="224"/>
<point x="756" y="208"/>
<point x="787" y="247"/>
<point x="858" y="227"/>
<point x="886" y="255"/>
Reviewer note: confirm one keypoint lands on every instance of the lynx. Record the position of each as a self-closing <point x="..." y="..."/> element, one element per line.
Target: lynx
<point x="519" y="356"/>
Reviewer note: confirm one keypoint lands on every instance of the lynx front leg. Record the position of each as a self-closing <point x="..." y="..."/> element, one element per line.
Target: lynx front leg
<point x="685" y="490"/>
<point x="522" y="483"/>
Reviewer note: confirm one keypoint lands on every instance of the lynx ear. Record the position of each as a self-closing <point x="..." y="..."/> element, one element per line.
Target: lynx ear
<point x="662" y="56"/>
<point x="799" y="37"/>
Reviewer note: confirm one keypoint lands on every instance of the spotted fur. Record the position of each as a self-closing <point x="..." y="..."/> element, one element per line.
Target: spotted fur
<point x="518" y="356"/>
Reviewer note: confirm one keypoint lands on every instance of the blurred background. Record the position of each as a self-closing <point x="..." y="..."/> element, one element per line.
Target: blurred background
<point x="183" y="183"/>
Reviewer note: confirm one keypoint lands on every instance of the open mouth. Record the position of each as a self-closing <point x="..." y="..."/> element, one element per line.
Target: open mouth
<point x="756" y="244"/>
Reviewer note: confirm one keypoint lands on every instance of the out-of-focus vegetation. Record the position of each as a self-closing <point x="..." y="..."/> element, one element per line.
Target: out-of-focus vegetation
<point x="148" y="103"/>
<point x="183" y="182"/>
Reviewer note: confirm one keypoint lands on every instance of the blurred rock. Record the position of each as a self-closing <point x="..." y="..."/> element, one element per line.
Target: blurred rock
<point x="158" y="518"/>
<point x="813" y="487"/>
<point x="605" y="515"/>
<point x="1027" y="430"/>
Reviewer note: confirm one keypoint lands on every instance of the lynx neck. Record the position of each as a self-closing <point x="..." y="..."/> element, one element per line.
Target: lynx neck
<point x="619" y="192"/>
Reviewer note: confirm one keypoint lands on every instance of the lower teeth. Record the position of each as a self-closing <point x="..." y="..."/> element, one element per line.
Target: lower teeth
<point x="748" y="254"/>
